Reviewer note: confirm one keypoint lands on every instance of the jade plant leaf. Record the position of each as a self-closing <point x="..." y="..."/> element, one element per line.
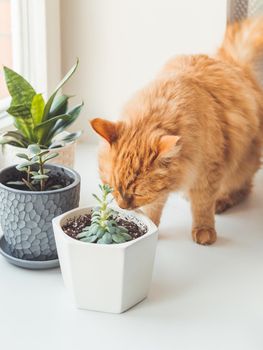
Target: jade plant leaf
<point x="34" y="149"/>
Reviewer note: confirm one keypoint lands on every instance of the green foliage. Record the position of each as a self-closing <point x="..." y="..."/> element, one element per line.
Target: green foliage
<point x="34" y="168"/>
<point x="104" y="229"/>
<point x="37" y="121"/>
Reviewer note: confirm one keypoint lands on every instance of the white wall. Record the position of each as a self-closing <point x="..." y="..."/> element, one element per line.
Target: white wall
<point x="122" y="43"/>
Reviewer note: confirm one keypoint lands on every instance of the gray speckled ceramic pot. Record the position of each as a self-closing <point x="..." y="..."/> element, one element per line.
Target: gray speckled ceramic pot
<point x="26" y="216"/>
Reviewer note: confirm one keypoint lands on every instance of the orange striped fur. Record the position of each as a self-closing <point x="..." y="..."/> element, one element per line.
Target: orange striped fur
<point x="197" y="128"/>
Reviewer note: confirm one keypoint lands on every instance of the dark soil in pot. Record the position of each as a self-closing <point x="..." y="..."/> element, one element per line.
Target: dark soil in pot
<point x="74" y="226"/>
<point x="57" y="179"/>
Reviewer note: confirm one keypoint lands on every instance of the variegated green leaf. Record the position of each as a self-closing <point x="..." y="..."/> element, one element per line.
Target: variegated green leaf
<point x="26" y="126"/>
<point x="37" y="108"/>
<point x="19" y="110"/>
<point x="20" y="90"/>
<point x="52" y="97"/>
<point x="59" y="106"/>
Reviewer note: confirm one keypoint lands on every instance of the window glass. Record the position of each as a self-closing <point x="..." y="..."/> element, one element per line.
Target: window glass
<point x="5" y="42"/>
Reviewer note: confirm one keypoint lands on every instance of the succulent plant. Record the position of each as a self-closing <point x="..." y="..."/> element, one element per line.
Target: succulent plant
<point x="35" y="120"/>
<point x="104" y="227"/>
<point x="34" y="168"/>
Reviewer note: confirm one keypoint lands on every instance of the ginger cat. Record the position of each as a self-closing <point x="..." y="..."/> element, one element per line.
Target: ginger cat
<point x="198" y="127"/>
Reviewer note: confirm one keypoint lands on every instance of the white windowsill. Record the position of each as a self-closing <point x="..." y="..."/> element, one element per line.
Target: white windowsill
<point x="201" y="298"/>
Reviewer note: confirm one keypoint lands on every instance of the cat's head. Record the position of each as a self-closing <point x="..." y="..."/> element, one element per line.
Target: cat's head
<point x="135" y="162"/>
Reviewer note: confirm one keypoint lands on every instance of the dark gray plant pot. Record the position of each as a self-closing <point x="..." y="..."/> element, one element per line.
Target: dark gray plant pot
<point x="26" y="216"/>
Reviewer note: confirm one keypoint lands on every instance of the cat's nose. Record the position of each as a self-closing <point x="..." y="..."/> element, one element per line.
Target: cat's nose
<point x="125" y="203"/>
<point x="122" y="204"/>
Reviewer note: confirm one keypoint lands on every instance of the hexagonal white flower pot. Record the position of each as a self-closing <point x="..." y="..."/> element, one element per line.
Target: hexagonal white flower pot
<point x="106" y="277"/>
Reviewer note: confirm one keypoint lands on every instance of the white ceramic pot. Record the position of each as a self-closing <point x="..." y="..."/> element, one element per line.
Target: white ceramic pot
<point x="106" y="277"/>
<point x="66" y="155"/>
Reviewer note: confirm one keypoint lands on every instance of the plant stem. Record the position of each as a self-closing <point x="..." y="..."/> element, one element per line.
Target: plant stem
<point x="28" y="184"/>
<point x="41" y="170"/>
<point x="28" y="173"/>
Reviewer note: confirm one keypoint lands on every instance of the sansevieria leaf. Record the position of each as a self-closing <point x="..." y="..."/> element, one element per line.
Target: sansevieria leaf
<point x="26" y="126"/>
<point x="63" y="81"/>
<point x="19" y="111"/>
<point x="73" y="115"/>
<point x="20" y="90"/>
<point x="59" y="106"/>
<point x="45" y="126"/>
<point x="35" y="121"/>
<point x="61" y="125"/>
<point x="37" y="108"/>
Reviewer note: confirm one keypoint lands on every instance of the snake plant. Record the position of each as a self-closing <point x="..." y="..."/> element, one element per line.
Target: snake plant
<point x="37" y="121"/>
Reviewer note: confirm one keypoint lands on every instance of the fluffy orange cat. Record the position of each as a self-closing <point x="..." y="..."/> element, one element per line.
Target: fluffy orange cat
<point x="198" y="127"/>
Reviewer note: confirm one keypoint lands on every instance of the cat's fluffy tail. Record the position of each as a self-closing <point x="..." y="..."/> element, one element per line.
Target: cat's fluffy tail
<point x="243" y="42"/>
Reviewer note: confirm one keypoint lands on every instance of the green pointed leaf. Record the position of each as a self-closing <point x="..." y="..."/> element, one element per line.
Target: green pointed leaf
<point x="59" y="106"/>
<point x="20" y="90"/>
<point x="37" y="108"/>
<point x="43" y="128"/>
<point x="26" y="127"/>
<point x="95" y="196"/>
<point x="70" y="137"/>
<point x="19" y="110"/>
<point x="11" y="141"/>
<point x="52" y="97"/>
<point x="57" y="144"/>
<point x="16" y="135"/>
<point x="61" y="125"/>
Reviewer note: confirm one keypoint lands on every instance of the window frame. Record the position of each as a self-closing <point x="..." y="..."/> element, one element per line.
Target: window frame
<point x="36" y="47"/>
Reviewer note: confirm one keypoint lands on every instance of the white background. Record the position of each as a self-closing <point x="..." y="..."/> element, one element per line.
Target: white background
<point x="123" y="43"/>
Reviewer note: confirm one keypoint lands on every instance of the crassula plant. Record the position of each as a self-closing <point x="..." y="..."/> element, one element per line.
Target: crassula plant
<point x="36" y="120"/>
<point x="33" y="167"/>
<point x="104" y="228"/>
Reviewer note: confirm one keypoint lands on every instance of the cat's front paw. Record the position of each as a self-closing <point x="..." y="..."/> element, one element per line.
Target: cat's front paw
<point x="204" y="235"/>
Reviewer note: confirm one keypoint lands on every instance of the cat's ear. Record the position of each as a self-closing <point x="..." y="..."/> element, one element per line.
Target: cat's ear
<point x="168" y="146"/>
<point x="105" y="128"/>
